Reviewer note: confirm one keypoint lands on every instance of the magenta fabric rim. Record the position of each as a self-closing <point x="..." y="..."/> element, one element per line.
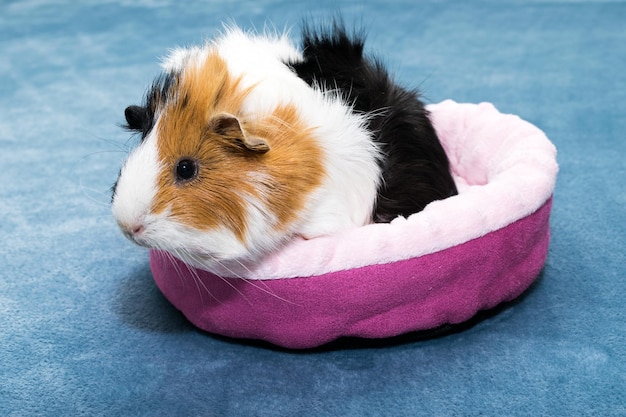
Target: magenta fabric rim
<point x="375" y="301"/>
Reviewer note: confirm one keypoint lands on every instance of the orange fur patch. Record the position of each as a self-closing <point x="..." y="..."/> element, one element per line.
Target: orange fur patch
<point x="281" y="178"/>
<point x="294" y="162"/>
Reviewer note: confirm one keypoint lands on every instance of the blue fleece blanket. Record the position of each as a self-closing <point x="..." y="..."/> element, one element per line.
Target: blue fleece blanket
<point x="84" y="330"/>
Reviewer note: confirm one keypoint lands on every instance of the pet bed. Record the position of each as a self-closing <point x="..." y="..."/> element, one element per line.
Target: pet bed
<point x="461" y="255"/>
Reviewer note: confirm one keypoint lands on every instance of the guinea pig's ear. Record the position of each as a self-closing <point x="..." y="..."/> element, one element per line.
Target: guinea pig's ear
<point x="227" y="125"/>
<point x="136" y="117"/>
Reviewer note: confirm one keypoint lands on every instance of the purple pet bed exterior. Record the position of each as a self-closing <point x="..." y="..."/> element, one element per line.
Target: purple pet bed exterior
<point x="461" y="255"/>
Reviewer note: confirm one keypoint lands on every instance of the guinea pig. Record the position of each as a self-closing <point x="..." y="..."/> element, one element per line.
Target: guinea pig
<point x="249" y="141"/>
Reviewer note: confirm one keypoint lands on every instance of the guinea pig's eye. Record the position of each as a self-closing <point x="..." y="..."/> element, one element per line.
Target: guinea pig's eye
<point x="186" y="169"/>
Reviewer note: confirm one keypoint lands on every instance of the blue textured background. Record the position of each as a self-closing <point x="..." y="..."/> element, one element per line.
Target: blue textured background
<point x="83" y="329"/>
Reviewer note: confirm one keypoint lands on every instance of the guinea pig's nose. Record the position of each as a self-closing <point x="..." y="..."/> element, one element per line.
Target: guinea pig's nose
<point x="137" y="229"/>
<point x="132" y="230"/>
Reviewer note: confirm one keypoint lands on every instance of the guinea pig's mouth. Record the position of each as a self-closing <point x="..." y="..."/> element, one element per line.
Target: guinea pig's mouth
<point x="187" y="255"/>
<point x="184" y="254"/>
<point x="137" y="240"/>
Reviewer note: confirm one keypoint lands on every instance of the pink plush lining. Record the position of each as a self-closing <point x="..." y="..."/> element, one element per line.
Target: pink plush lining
<point x="442" y="265"/>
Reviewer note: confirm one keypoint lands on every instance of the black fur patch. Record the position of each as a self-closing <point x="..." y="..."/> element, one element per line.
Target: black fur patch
<point x="140" y="119"/>
<point x="415" y="168"/>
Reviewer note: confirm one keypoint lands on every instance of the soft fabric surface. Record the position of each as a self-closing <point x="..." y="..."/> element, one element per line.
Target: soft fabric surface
<point x="85" y="330"/>
<point x="374" y="301"/>
<point x="412" y="274"/>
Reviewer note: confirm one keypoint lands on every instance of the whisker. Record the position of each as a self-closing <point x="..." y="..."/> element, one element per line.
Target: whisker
<point x="257" y="284"/>
<point x="267" y="290"/>
<point x="176" y="266"/>
<point x="227" y="281"/>
<point x="194" y="277"/>
<point x="87" y="190"/>
<point x="194" y="273"/>
<point x="72" y="167"/>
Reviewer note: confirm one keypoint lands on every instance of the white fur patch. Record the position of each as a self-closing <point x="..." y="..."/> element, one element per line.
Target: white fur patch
<point x="260" y="62"/>
<point x="137" y="185"/>
<point x="179" y="58"/>
<point x="347" y="196"/>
